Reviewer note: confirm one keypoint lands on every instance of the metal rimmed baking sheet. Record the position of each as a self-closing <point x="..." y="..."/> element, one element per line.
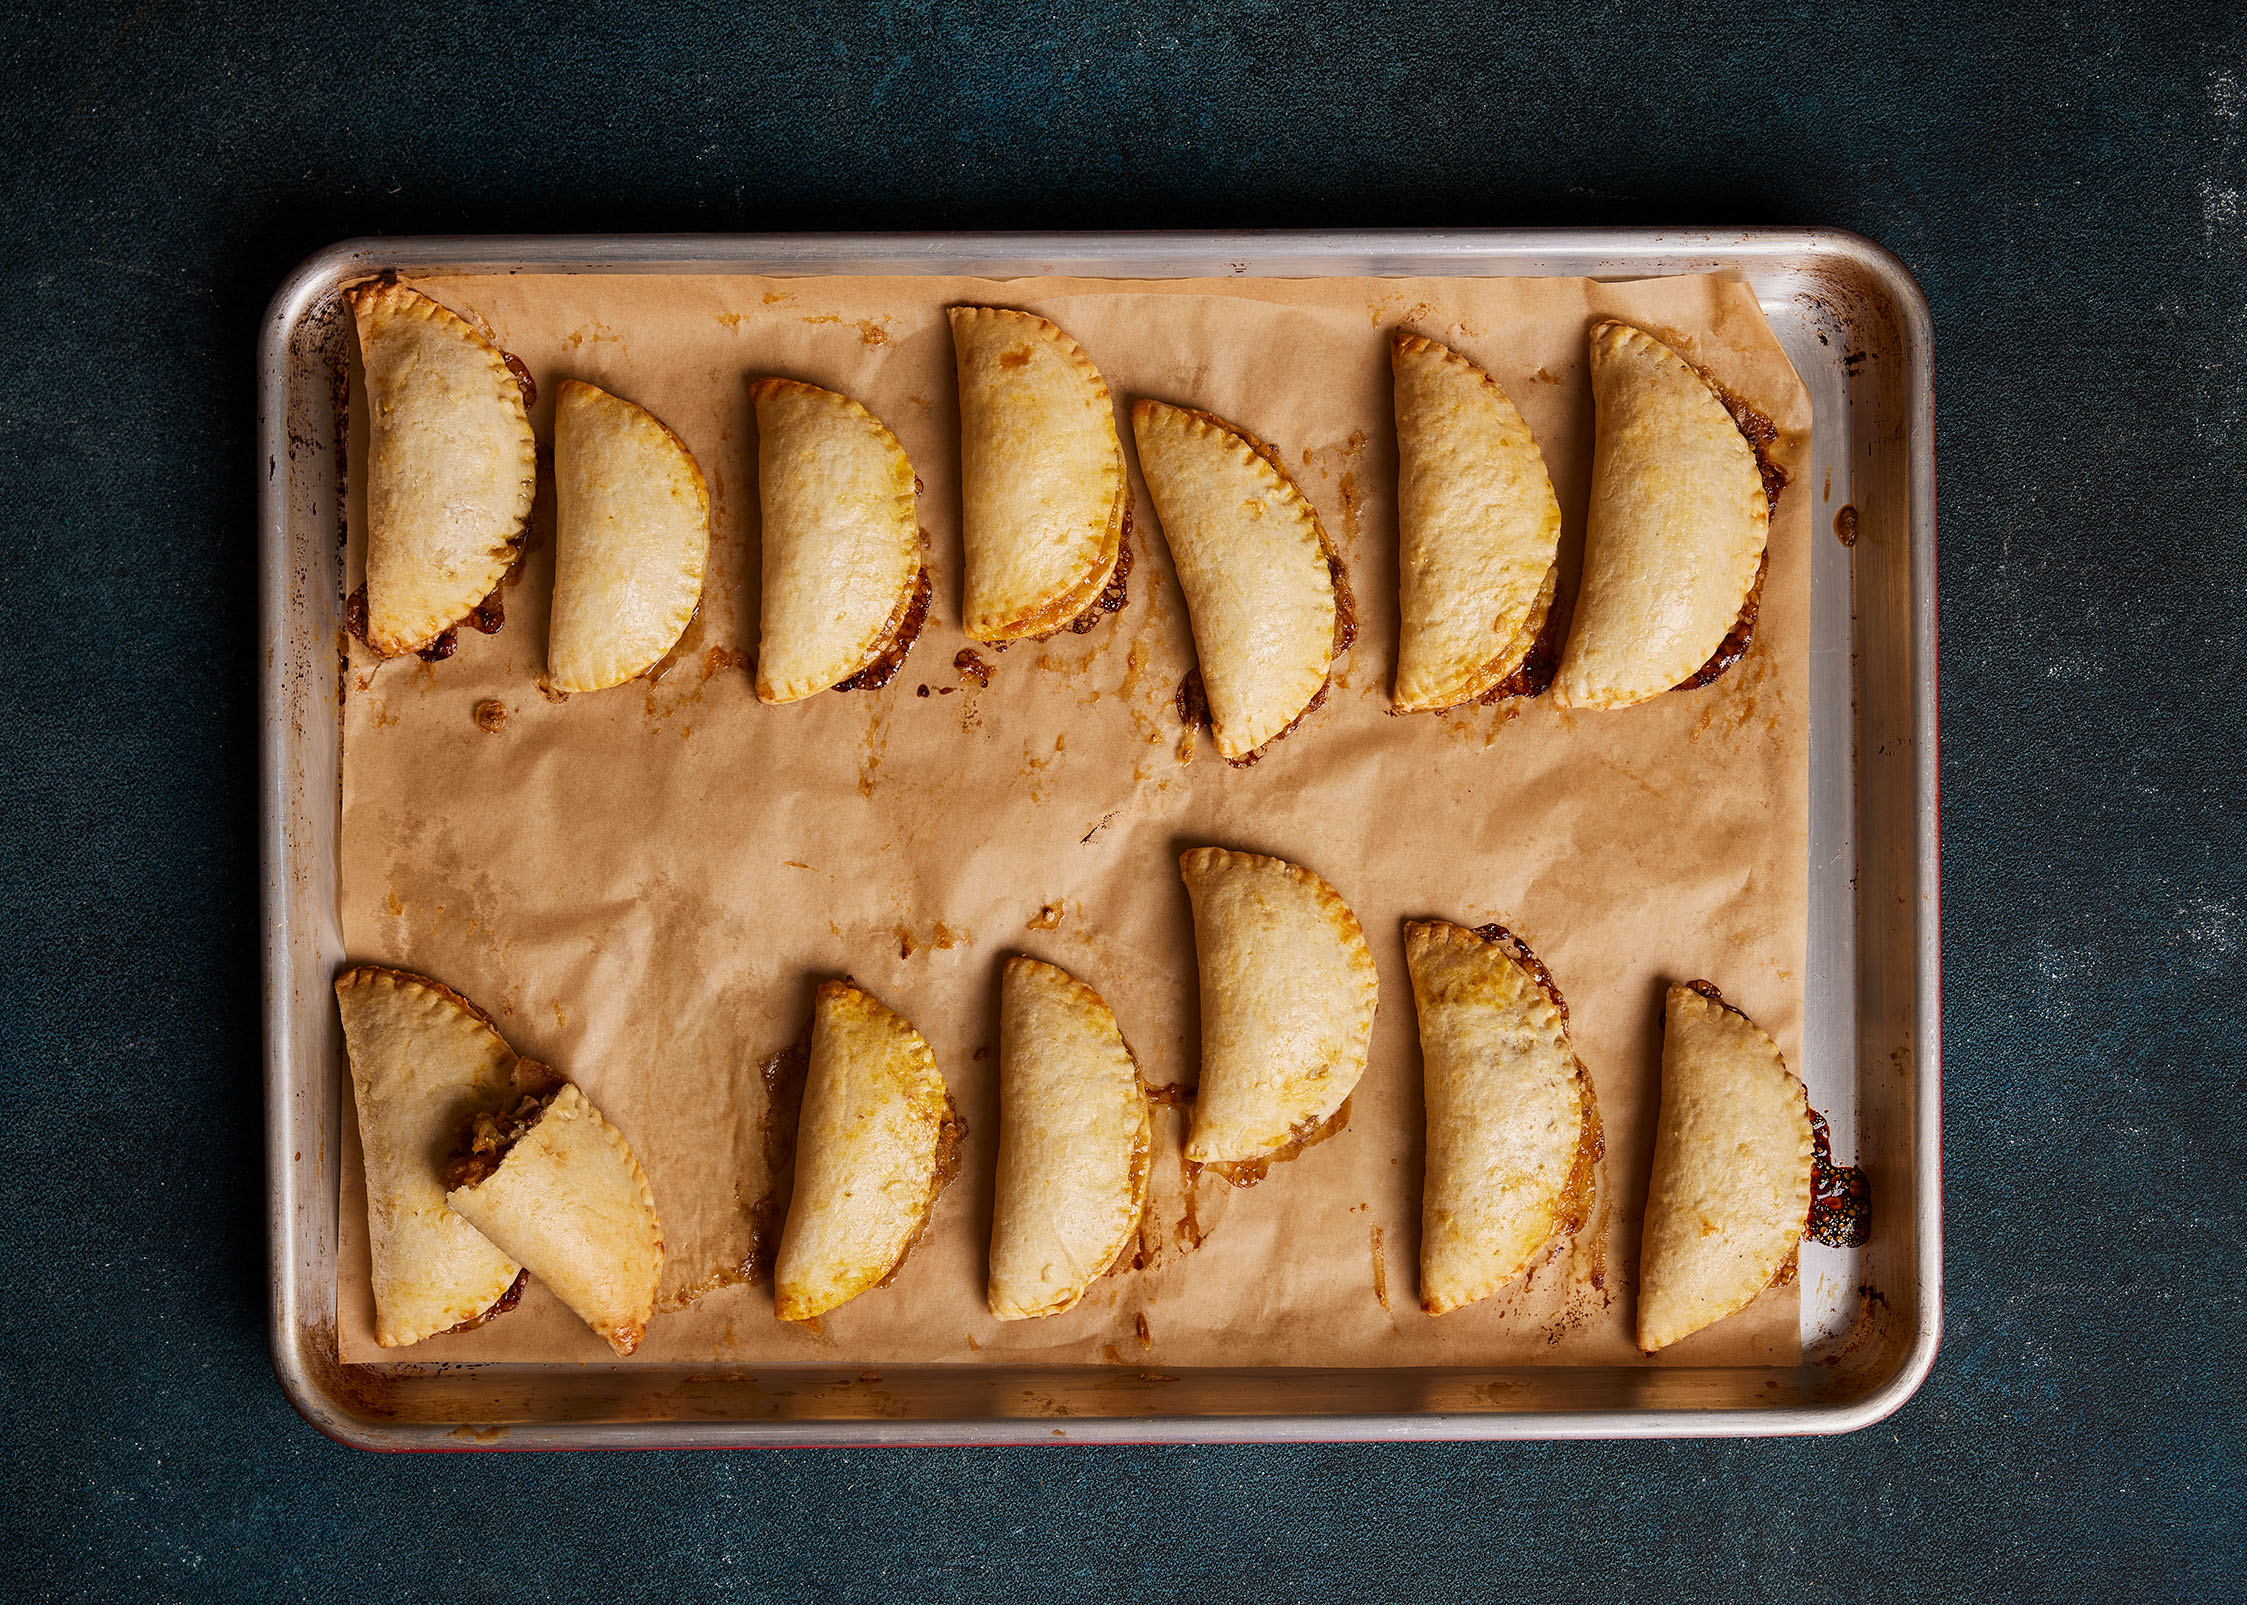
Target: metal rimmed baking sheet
<point x="1854" y="328"/>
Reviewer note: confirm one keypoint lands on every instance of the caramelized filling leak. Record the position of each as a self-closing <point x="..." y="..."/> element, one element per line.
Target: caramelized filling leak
<point x="1845" y="524"/>
<point x="500" y="1306"/>
<point x="1738" y="639"/>
<point x="1518" y="950"/>
<point x="1192" y="701"/>
<point x="443" y="647"/>
<point x="903" y="629"/>
<point x="1116" y="594"/>
<point x="523" y="380"/>
<point x="489" y="616"/>
<point x="1840" y="1197"/>
<point x="783" y="1075"/>
<point x="491" y="717"/>
<point x="355" y="617"/>
<point x="970" y="665"/>
<point x="1248" y="1172"/>
<point x="1534" y="675"/>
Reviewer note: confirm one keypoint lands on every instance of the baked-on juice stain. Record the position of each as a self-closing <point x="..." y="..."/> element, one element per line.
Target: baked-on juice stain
<point x="1840" y="1197"/>
<point x="1845" y="524"/>
<point x="783" y="1075"/>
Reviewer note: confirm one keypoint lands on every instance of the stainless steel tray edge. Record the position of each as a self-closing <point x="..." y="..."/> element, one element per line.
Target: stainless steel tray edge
<point x="639" y="1407"/>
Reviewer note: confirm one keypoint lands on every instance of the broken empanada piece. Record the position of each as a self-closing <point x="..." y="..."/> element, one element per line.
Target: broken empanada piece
<point x="1043" y="498"/>
<point x="1730" y="1193"/>
<point x="1513" y="1129"/>
<point x="1287" y="997"/>
<point x="1265" y="592"/>
<point x="875" y="1144"/>
<point x="451" y="465"/>
<point x="553" y="1183"/>
<point x="423" y="1060"/>
<point x="631" y="537"/>
<point x="1677" y="528"/>
<point x="844" y="589"/>
<point x="1478" y="530"/>
<point x="1074" y="1137"/>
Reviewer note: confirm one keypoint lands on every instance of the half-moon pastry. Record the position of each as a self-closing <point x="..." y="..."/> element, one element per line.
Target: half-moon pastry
<point x="631" y="537"/>
<point x="1676" y="532"/>
<point x="1260" y="578"/>
<point x="874" y="1146"/>
<point x="1478" y="530"/>
<point x="1074" y="1137"/>
<point x="1287" y="997"/>
<point x="424" y="1059"/>
<point x="1731" y="1187"/>
<point x="1513" y="1130"/>
<point x="553" y="1183"/>
<point x="1043" y="498"/>
<point x="843" y="582"/>
<point x="451" y="465"/>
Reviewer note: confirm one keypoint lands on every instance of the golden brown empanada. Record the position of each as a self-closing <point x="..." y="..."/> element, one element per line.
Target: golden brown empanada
<point x="1731" y="1187"/>
<point x="423" y="1060"/>
<point x="553" y="1183"/>
<point x="1513" y="1128"/>
<point x="450" y="470"/>
<point x="1043" y="499"/>
<point x="1074" y="1136"/>
<point x="1676" y="535"/>
<point x="875" y="1144"/>
<point x="1265" y="593"/>
<point x="1478" y="530"/>
<point x="844" y="589"/>
<point x="1287" y="997"/>
<point x="631" y="537"/>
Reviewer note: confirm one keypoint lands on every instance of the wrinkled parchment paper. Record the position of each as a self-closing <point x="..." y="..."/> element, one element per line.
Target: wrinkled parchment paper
<point x="644" y="885"/>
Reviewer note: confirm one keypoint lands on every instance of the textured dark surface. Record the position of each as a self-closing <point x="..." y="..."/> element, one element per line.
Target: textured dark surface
<point x="2066" y="187"/>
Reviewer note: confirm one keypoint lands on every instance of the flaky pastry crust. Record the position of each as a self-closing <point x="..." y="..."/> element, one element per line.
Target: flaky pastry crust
<point x="841" y="541"/>
<point x="1042" y="487"/>
<point x="571" y="1202"/>
<point x="869" y="1144"/>
<point x="1478" y="529"/>
<point x="1253" y="562"/>
<point x="1288" y="989"/>
<point x="631" y="539"/>
<point x="1506" y="1110"/>
<point x="1074" y="1137"/>
<point x="1730" y="1192"/>
<point x="423" y="1059"/>
<point x="1676" y="531"/>
<point x="451" y="465"/>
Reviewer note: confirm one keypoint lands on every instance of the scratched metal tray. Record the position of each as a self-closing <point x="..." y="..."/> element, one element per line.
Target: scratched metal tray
<point x="1857" y="330"/>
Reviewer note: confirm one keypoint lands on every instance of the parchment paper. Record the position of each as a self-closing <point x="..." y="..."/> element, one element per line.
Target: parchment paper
<point x="644" y="885"/>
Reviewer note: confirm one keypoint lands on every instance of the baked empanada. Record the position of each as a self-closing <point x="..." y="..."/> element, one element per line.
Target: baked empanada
<point x="553" y="1183"/>
<point x="1074" y="1136"/>
<point x="423" y="1060"/>
<point x="1478" y="531"/>
<point x="875" y="1144"/>
<point x="844" y="588"/>
<point x="1265" y="592"/>
<point x="1044" y="504"/>
<point x="1513" y="1129"/>
<point x="1731" y="1187"/>
<point x="1287" y="996"/>
<point x="451" y="465"/>
<point x="631" y="537"/>
<point x="1676" y="534"/>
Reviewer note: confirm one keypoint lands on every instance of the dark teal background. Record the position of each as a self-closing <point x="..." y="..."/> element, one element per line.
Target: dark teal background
<point x="2066" y="183"/>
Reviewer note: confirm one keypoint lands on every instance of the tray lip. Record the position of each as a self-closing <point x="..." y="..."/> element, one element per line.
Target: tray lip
<point x="326" y="270"/>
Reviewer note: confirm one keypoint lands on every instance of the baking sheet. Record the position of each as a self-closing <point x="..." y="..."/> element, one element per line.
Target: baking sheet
<point x="643" y="885"/>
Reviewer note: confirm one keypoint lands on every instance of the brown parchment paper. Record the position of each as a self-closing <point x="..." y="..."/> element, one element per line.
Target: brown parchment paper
<point x="644" y="885"/>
